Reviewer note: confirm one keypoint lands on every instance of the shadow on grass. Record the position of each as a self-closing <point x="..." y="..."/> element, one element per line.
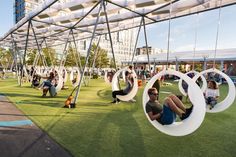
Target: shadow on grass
<point x="118" y="134"/>
<point x="105" y="94"/>
<point x="44" y="134"/>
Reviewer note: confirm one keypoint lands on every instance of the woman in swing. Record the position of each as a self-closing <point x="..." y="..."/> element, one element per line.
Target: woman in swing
<point x="129" y="85"/>
<point x="211" y="94"/>
<point x="49" y="83"/>
<point x="166" y="114"/>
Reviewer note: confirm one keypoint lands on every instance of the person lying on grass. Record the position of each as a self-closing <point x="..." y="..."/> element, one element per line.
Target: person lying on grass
<point x="166" y="114"/>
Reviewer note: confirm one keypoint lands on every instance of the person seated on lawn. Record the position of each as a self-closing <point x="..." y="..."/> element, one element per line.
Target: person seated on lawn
<point x="48" y="83"/>
<point x="166" y="114"/>
<point x="129" y="85"/>
<point x="212" y="93"/>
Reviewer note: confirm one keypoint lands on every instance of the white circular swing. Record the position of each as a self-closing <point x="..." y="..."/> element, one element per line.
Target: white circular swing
<point x="204" y="82"/>
<point x="228" y="101"/>
<point x="59" y="81"/>
<point x="195" y="119"/>
<point x="66" y="74"/>
<point x="115" y="85"/>
<point x="76" y="83"/>
<point x="106" y="77"/>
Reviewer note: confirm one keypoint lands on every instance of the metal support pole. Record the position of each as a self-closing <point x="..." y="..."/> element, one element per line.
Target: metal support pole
<point x="176" y="64"/>
<point x="221" y="65"/>
<point x="154" y="67"/>
<point x="109" y="33"/>
<point x="45" y="41"/>
<point x="64" y="53"/>
<point x="77" y="53"/>
<point x="204" y="63"/>
<point x="95" y="55"/>
<point x="136" y="42"/>
<point x="146" y="42"/>
<point x="14" y="48"/>
<point x="88" y="54"/>
<point x="38" y="47"/>
<point x="26" y="46"/>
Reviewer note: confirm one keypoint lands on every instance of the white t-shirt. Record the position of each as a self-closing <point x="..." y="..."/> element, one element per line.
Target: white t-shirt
<point x="212" y="93"/>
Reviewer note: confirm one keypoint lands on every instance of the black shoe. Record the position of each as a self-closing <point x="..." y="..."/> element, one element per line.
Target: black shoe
<point x="187" y="113"/>
<point x="113" y="102"/>
<point x="211" y="107"/>
<point x="189" y="110"/>
<point x="184" y="116"/>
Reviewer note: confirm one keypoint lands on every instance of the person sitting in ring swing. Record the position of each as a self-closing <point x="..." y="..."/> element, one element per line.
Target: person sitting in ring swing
<point x="74" y="80"/>
<point x="49" y="85"/>
<point x="36" y="80"/>
<point x="129" y="85"/>
<point x="166" y="114"/>
<point x="211" y="94"/>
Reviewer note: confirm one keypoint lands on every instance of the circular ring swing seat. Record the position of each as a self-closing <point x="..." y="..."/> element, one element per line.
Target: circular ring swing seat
<point x="106" y="78"/>
<point x="66" y="74"/>
<point x="228" y="101"/>
<point x="115" y="85"/>
<point x="204" y="82"/>
<point x="75" y="81"/>
<point x="195" y="119"/>
<point x="59" y="81"/>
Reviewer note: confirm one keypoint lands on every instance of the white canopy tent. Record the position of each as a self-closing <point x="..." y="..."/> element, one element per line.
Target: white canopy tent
<point x="53" y="20"/>
<point x="188" y="56"/>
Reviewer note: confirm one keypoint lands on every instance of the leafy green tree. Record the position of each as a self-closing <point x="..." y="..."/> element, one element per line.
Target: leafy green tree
<point x="5" y="57"/>
<point x="101" y="59"/>
<point x="30" y="56"/>
<point x="71" y="57"/>
<point x="50" y="56"/>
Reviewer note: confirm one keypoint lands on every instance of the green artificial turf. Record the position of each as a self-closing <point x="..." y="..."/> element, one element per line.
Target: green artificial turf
<point x="98" y="128"/>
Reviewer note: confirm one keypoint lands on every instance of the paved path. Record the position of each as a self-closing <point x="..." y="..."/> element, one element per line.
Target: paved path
<point x="20" y="137"/>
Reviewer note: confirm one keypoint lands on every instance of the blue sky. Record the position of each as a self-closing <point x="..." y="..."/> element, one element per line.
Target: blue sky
<point x="6" y="16"/>
<point x="182" y="29"/>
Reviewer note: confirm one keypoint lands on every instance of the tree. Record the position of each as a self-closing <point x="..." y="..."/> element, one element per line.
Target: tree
<point x="50" y="56"/>
<point x="101" y="60"/>
<point x="31" y="56"/>
<point x="71" y="57"/>
<point x="5" y="57"/>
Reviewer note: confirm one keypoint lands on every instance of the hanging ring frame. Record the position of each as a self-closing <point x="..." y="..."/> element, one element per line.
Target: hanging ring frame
<point x="229" y="99"/>
<point x="195" y="119"/>
<point x="204" y="82"/>
<point x="115" y="85"/>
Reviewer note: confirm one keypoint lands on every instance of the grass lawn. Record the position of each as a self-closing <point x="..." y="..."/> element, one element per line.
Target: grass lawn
<point x="97" y="128"/>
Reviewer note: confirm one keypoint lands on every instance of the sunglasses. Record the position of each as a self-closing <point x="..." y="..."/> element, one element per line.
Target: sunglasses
<point x="154" y="94"/>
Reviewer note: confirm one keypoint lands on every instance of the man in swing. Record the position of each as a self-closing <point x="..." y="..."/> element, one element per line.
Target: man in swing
<point x="166" y="114"/>
<point x="128" y="88"/>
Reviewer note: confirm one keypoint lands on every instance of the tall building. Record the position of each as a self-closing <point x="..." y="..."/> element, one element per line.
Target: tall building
<point x="123" y="41"/>
<point x="22" y="7"/>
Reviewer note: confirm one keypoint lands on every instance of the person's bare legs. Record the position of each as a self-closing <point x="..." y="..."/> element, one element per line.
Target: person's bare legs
<point x="177" y="102"/>
<point x="170" y="103"/>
